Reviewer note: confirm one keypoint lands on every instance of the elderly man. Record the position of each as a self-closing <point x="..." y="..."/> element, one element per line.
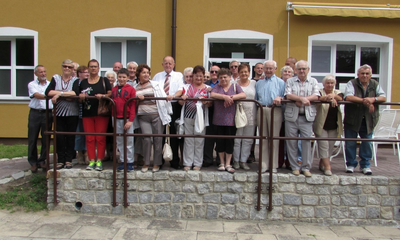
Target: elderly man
<point x="258" y="71"/>
<point x="117" y="66"/>
<point x="37" y="118"/>
<point x="361" y="118"/>
<point x="234" y="67"/>
<point x="131" y="66"/>
<point x="299" y="116"/>
<point x="210" y="130"/>
<point x="270" y="90"/>
<point x="291" y="61"/>
<point x="172" y="82"/>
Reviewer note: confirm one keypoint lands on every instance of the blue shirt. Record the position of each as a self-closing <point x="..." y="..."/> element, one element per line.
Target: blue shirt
<point x="268" y="89"/>
<point x="213" y="84"/>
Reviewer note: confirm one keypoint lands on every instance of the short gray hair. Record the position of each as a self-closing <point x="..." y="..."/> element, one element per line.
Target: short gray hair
<point x="271" y="61"/>
<point x="67" y="61"/>
<point x="132" y="62"/>
<point x="300" y="61"/>
<point x="328" y="77"/>
<point x="188" y="69"/>
<point x="365" y="66"/>
<point x="286" y="68"/>
<point x="234" y="60"/>
<point x="110" y="72"/>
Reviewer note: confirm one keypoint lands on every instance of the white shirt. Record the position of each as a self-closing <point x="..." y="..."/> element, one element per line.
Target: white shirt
<point x="175" y="81"/>
<point x="36" y="87"/>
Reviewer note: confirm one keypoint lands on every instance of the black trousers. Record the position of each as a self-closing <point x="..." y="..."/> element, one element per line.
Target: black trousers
<point x="176" y="108"/>
<point x="66" y="143"/>
<point x="36" y="124"/>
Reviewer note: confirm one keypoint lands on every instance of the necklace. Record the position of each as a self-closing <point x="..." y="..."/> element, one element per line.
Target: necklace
<point x="64" y="85"/>
<point x="143" y="83"/>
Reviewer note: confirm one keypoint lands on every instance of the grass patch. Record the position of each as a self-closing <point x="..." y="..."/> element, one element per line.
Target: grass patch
<point x="17" y="150"/>
<point x="30" y="196"/>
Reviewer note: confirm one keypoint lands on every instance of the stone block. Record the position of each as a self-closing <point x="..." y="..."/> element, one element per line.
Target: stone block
<point x="252" y="177"/>
<point x="304" y="188"/>
<point x="373" y="212"/>
<point x="242" y="212"/>
<point x="235" y="187"/>
<point x="132" y="197"/>
<point x="87" y="174"/>
<point x="159" y="186"/>
<point x="118" y="210"/>
<point x="277" y="199"/>
<point x="145" y="198"/>
<point x="72" y="173"/>
<point x="203" y="188"/>
<point x="177" y="175"/>
<point x="70" y="196"/>
<point x="134" y="210"/>
<point x="103" y="197"/>
<point x="229" y="198"/>
<point x="220" y="187"/>
<point x="322" y="212"/>
<point x="258" y="215"/>
<point x="374" y="199"/>
<point x="175" y="211"/>
<point x="335" y="200"/>
<point x="80" y="183"/>
<point x="18" y="175"/>
<point x="310" y="200"/>
<point x="162" y="210"/>
<point x="240" y="177"/>
<point x="148" y="211"/>
<point x="212" y="198"/>
<point x="132" y="185"/>
<point x="265" y="178"/>
<point x="357" y="212"/>
<point x="394" y="181"/>
<point x="189" y="187"/>
<point x="380" y="180"/>
<point x="223" y="177"/>
<point x="179" y="197"/>
<point x="161" y="175"/>
<point x="275" y="214"/>
<point x="340" y="212"/>
<point x="212" y="211"/>
<point x="246" y="198"/>
<point x="193" y="198"/>
<point x="172" y="186"/>
<point x="349" y="200"/>
<point x="324" y="200"/>
<point x="394" y="190"/>
<point x="208" y="176"/>
<point x="355" y="189"/>
<point x="162" y="198"/>
<point x="290" y="212"/>
<point x="306" y="212"/>
<point x="315" y="179"/>
<point x="144" y="176"/>
<point x="297" y="179"/>
<point x="340" y="189"/>
<point x="187" y="211"/>
<point x="108" y="175"/>
<point x="388" y="201"/>
<point x="362" y="200"/>
<point x="364" y="180"/>
<point x="291" y="199"/>
<point x="96" y="184"/>
<point x="101" y="208"/>
<point x="383" y="190"/>
<point x="264" y="199"/>
<point x="199" y="211"/>
<point x="193" y="176"/>
<point x="369" y="189"/>
<point x="283" y="178"/>
<point x="348" y="180"/>
<point x="86" y="197"/>
<point x="146" y="186"/>
<point x="322" y="190"/>
<point x="87" y="208"/>
<point x="68" y="184"/>
<point x="227" y="211"/>
<point x="387" y="213"/>
<point x="331" y="180"/>
<point x="286" y="187"/>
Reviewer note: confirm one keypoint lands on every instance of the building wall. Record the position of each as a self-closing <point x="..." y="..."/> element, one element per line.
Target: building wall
<point x="64" y="32"/>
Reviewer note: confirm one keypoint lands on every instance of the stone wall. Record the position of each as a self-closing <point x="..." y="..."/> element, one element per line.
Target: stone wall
<point x="336" y="199"/>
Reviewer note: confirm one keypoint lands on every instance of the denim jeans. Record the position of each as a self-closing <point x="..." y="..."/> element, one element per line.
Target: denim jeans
<point x="365" y="151"/>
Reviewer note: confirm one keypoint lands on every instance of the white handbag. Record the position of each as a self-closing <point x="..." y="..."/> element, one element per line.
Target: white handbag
<point x="240" y="115"/>
<point x="167" y="150"/>
<point x="199" y="119"/>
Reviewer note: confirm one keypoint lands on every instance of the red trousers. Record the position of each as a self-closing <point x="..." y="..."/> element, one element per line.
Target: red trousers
<point x="97" y="124"/>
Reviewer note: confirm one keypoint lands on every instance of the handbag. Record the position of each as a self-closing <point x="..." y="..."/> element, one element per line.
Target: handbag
<point x="199" y="119"/>
<point x="180" y="129"/>
<point x="104" y="108"/>
<point x="240" y="115"/>
<point x="167" y="150"/>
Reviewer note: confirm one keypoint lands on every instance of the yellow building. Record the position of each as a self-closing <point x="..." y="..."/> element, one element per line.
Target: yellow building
<point x="335" y="37"/>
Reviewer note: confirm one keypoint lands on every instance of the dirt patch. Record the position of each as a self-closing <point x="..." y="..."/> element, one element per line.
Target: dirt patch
<point x="22" y="182"/>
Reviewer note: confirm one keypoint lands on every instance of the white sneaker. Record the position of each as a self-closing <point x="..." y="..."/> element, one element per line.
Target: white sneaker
<point x="367" y="171"/>
<point x="350" y="169"/>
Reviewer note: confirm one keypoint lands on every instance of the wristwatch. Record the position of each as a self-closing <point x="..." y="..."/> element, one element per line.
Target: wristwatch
<point x="376" y="99"/>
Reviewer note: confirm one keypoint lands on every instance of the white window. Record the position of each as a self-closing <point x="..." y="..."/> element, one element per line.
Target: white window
<point x="246" y="46"/>
<point x="120" y="45"/>
<point x="342" y="53"/>
<point x="18" y="57"/>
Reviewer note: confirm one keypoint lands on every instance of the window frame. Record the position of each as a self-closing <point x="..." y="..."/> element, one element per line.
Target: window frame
<point x="11" y="34"/>
<point x="360" y="40"/>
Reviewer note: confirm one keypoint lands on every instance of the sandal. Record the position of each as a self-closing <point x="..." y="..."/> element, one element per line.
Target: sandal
<point x="196" y="168"/>
<point x="221" y="167"/>
<point x="186" y="169"/>
<point x="60" y="166"/>
<point x="230" y="169"/>
<point x="68" y="165"/>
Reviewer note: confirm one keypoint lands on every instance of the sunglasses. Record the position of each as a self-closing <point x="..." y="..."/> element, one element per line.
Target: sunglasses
<point x="233" y="66"/>
<point x="213" y="71"/>
<point x="65" y="66"/>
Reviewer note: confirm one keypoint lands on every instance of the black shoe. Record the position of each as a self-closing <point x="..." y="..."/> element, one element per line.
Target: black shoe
<point x="207" y="164"/>
<point x="177" y="167"/>
<point x="251" y="158"/>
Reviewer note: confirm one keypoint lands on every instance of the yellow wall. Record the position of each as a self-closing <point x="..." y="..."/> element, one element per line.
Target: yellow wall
<point x="64" y="29"/>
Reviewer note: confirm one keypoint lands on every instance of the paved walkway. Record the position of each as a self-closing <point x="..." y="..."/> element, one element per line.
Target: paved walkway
<point x="61" y="225"/>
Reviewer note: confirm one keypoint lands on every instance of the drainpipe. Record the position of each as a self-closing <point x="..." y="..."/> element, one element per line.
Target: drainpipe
<point x="173" y="50"/>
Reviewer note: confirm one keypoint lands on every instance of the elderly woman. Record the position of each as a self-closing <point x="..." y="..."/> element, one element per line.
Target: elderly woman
<point x="99" y="87"/>
<point x="66" y="114"/>
<point x="224" y="116"/>
<point x="241" y="150"/>
<point x="112" y="77"/>
<point x="328" y="122"/>
<point x="193" y="147"/>
<point x="152" y="115"/>
<point x="286" y="73"/>
<point x="188" y="75"/>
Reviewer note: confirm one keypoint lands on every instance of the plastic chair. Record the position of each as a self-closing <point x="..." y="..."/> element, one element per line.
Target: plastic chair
<point x="387" y="128"/>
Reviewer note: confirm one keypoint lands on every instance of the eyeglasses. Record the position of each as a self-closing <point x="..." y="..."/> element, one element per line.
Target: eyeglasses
<point x="234" y="66"/>
<point x="65" y="66"/>
<point x="93" y="66"/>
<point x="302" y="69"/>
<point x="212" y="71"/>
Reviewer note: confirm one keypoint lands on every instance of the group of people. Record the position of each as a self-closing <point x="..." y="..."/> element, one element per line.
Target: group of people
<point x="186" y="108"/>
